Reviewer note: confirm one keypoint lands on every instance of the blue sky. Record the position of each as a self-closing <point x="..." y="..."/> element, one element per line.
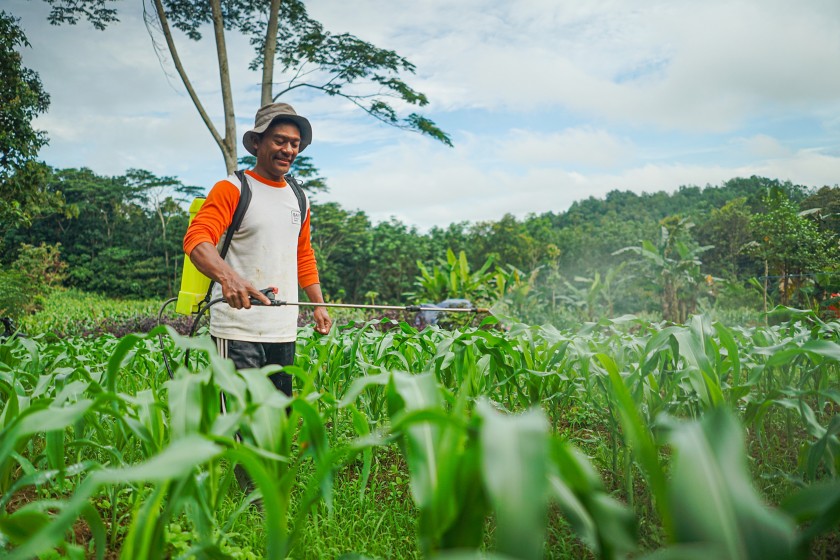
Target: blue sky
<point x="547" y="102"/>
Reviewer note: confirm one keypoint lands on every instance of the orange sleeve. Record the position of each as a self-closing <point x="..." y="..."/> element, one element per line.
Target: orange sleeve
<point x="307" y="267"/>
<point x="214" y="217"/>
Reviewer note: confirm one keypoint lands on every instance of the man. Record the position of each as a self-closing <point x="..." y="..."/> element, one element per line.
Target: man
<point x="271" y="248"/>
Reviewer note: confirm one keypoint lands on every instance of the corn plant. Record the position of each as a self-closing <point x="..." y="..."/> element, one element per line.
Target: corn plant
<point x="618" y="426"/>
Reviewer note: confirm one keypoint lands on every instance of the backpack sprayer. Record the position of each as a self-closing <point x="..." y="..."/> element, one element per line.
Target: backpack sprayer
<point x="194" y="294"/>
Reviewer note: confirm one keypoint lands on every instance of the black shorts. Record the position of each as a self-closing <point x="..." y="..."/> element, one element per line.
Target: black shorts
<point x="259" y="354"/>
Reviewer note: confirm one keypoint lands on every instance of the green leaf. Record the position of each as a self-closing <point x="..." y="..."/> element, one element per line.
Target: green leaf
<point x="24" y="523"/>
<point x="185" y="405"/>
<point x="712" y="498"/>
<point x="176" y="461"/>
<point x="604" y="524"/>
<point x="515" y="468"/>
<point x="817" y="507"/>
<point x="640" y="439"/>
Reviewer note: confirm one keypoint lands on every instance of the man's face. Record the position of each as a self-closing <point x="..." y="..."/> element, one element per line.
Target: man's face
<point x="277" y="149"/>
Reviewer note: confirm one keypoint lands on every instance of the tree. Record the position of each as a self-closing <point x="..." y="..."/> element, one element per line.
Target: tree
<point x="825" y="204"/>
<point x="280" y="32"/>
<point x="122" y="234"/>
<point x="342" y="243"/>
<point x="727" y="230"/>
<point x="395" y="250"/>
<point x="164" y="196"/>
<point x="508" y="241"/>
<point x="22" y="179"/>
<point x="791" y="245"/>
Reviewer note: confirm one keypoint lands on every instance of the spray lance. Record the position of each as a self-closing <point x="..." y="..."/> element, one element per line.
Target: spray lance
<point x="271" y="292"/>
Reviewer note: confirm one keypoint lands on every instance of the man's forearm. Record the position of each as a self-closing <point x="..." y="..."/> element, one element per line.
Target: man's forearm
<point x="206" y="259"/>
<point x="313" y="292"/>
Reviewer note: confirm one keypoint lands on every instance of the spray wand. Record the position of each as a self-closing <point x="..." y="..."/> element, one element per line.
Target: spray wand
<point x="270" y="294"/>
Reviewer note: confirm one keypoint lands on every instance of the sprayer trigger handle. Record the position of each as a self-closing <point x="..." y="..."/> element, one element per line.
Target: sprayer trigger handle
<point x="267" y="292"/>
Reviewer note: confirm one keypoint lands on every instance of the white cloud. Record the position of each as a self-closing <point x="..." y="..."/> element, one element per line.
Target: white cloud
<point x="427" y="186"/>
<point x="763" y="146"/>
<point x="582" y="146"/>
<point x="686" y="65"/>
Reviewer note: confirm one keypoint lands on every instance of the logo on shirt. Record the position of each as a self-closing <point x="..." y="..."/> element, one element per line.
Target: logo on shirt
<point x="296" y="216"/>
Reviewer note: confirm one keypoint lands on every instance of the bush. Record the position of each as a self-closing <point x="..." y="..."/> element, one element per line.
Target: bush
<point x="42" y="265"/>
<point x="15" y="299"/>
<point x="24" y="284"/>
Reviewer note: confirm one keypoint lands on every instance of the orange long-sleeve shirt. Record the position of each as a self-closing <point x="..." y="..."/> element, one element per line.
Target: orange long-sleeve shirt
<point x="216" y="214"/>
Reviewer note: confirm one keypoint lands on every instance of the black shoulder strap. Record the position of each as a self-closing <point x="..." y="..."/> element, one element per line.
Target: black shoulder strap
<point x="236" y="221"/>
<point x="301" y="197"/>
<point x="239" y="213"/>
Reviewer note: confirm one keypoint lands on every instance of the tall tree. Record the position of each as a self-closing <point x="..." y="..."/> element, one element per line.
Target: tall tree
<point x="792" y="246"/>
<point x="726" y="230"/>
<point x="22" y="97"/>
<point x="281" y="32"/>
<point x="164" y="196"/>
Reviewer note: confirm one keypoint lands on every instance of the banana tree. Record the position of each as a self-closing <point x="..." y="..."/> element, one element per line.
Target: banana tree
<point x="452" y="278"/>
<point x="676" y="265"/>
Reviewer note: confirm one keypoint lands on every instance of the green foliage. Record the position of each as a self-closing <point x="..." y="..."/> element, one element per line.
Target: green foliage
<point x="122" y="235"/>
<point x="675" y="263"/>
<point x="69" y="312"/>
<point x="70" y="11"/>
<point x="28" y="280"/>
<point x="42" y="265"/>
<point x="710" y="469"/>
<point x="22" y="179"/>
<point x="791" y="245"/>
<point x="342" y="243"/>
<point x="726" y="231"/>
<point x="453" y="278"/>
<point x="15" y="294"/>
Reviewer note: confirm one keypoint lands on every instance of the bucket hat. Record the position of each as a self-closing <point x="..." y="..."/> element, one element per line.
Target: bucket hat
<point x="267" y="114"/>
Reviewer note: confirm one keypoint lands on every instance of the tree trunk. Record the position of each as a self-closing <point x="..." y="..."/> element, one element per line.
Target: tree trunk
<point x="229" y="141"/>
<point x="270" y="49"/>
<point x="176" y="60"/>
<point x="163" y="223"/>
<point x="766" y="280"/>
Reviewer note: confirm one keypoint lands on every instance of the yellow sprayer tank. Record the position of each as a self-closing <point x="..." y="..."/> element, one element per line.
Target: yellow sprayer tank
<point x="194" y="284"/>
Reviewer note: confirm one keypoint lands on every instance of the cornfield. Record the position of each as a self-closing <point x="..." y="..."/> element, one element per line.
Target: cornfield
<point x="623" y="439"/>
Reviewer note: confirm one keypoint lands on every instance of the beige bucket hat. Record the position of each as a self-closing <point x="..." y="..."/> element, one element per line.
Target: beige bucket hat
<point x="267" y="114"/>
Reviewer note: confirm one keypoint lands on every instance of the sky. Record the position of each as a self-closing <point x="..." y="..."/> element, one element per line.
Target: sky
<point x="546" y="102"/>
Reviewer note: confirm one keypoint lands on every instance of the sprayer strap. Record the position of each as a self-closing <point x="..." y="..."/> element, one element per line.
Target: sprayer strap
<point x="236" y="221"/>
<point x="239" y="213"/>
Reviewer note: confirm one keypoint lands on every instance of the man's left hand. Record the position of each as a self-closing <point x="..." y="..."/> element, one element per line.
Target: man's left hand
<point x="323" y="323"/>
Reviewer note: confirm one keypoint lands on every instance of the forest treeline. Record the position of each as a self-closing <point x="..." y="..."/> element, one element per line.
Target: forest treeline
<point x="668" y="252"/>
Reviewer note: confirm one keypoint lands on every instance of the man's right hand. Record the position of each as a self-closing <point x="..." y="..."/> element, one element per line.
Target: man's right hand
<point x="238" y="293"/>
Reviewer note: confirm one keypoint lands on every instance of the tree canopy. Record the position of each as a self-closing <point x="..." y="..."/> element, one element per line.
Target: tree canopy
<point x="310" y="57"/>
<point x="22" y="97"/>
